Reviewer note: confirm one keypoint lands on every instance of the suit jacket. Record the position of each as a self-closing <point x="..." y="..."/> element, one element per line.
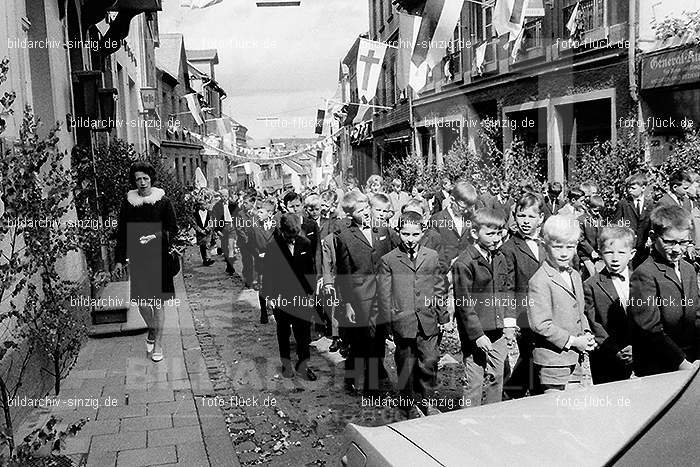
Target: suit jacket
<point x="666" y="200"/>
<point x="398" y="200"/>
<point x="206" y="225"/>
<point x="287" y="277"/>
<point x="524" y="264"/>
<point x="626" y="215"/>
<point x="483" y="295"/>
<point x="242" y="223"/>
<point x="437" y="202"/>
<point x="357" y="265"/>
<point x="258" y="240"/>
<point x="551" y="206"/>
<point x="411" y="294"/>
<point x="590" y="229"/>
<point x="610" y="326"/>
<point x="217" y="213"/>
<point x="311" y="230"/>
<point x="453" y="243"/>
<point x="665" y="316"/>
<point x="555" y="313"/>
<point x="503" y="207"/>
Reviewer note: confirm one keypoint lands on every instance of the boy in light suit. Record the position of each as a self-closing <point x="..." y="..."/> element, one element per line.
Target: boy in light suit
<point x="556" y="311"/>
<point x="411" y="299"/>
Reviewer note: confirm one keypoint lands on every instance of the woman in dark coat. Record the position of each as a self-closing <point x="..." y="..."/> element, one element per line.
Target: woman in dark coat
<point x="147" y="225"/>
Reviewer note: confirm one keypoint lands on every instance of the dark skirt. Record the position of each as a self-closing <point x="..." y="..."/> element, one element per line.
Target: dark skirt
<point x="148" y="272"/>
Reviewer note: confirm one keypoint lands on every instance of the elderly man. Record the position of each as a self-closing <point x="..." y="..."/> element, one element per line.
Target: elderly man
<point x="223" y="213"/>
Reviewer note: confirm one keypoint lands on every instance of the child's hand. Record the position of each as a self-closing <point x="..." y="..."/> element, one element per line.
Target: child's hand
<point x="591" y="342"/>
<point x="625" y="355"/>
<point x="580" y="343"/>
<point x="350" y="313"/>
<point x="484" y="343"/>
<point x="509" y="334"/>
<point x="445" y="327"/>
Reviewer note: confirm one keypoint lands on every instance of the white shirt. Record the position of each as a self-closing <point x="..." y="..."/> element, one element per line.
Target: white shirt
<point x="568" y="280"/>
<point x="203" y="216"/>
<point x="534" y="247"/>
<point x="639" y="202"/>
<point x="458" y="221"/>
<point x="267" y="225"/>
<point x="227" y="213"/>
<point x="677" y="268"/>
<point x="367" y="232"/>
<point x="483" y="252"/>
<point x="675" y="198"/>
<point x="623" y="287"/>
<point x="291" y="247"/>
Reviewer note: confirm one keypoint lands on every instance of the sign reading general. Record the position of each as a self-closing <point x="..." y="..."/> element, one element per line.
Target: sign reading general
<point x="671" y="68"/>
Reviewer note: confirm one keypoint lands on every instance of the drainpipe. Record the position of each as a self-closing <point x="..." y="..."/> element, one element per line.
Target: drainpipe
<point x="632" y="59"/>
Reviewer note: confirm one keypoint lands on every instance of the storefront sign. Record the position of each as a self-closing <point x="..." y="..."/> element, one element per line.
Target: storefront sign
<point x="672" y="68"/>
<point x="148" y="98"/>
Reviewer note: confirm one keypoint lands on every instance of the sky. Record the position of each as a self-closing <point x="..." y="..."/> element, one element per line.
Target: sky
<point x="273" y="62"/>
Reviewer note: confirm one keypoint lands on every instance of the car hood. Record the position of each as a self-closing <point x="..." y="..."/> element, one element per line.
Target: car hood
<point x="590" y="425"/>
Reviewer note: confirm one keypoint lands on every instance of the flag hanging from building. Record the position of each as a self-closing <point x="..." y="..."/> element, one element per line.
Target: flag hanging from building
<point x="480" y="56"/>
<point x="437" y="26"/>
<point x="572" y="24"/>
<point x="357" y="113"/>
<point x="517" y="44"/>
<point x="408" y="32"/>
<point x="370" y="57"/>
<point x="194" y="4"/>
<point x="508" y="17"/>
<point x="194" y="108"/>
<point x="320" y="118"/>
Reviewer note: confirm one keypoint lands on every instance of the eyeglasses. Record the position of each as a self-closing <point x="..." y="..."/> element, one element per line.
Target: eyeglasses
<point x="672" y="243"/>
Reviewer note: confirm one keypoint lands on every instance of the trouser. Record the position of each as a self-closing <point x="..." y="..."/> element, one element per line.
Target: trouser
<point x="228" y="246"/>
<point x="247" y="260"/>
<point x="565" y="378"/>
<point x="522" y="379"/>
<point x="484" y="372"/>
<point x="416" y="363"/>
<point x="302" y="335"/>
<point x="263" y="308"/>
<point x="365" y="358"/>
<point x="329" y="311"/>
<point x="203" y="252"/>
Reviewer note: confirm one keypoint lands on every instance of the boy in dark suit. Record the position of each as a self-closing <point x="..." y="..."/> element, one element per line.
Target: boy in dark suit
<point x="484" y="309"/>
<point x="358" y="250"/>
<point x="678" y="185"/>
<point x="288" y="276"/>
<point x="633" y="212"/>
<point x="591" y="224"/>
<point x="411" y="299"/>
<point x="556" y="311"/>
<point x="607" y="298"/>
<point x="524" y="253"/>
<point x="259" y="237"/>
<point x="664" y="299"/>
<point x="223" y="214"/>
<point x="244" y="219"/>
<point x="203" y="228"/>
<point x="552" y="202"/>
<point x="442" y="196"/>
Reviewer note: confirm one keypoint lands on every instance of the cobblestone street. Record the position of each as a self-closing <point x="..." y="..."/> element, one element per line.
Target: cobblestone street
<point x="273" y="420"/>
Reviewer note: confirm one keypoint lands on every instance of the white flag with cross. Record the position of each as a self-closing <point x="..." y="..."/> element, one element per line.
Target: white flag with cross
<point x="370" y="57"/>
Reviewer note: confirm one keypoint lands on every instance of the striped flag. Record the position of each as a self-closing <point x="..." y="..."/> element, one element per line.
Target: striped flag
<point x="370" y="57"/>
<point x="408" y="32"/>
<point x="437" y="25"/>
<point x="509" y="17"/>
<point x="194" y="107"/>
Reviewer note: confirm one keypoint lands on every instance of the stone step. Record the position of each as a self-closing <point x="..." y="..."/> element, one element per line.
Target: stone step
<point x="115" y="313"/>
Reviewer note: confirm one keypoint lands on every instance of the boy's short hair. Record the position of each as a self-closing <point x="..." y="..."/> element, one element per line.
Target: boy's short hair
<point x="312" y="200"/>
<point x="678" y="178"/>
<point x="396" y="181"/>
<point x="266" y="204"/>
<point x="410" y="217"/>
<point x="616" y="232"/>
<point x="490" y="218"/>
<point x="329" y="196"/>
<point x="574" y="194"/>
<point x="351" y="179"/>
<point x="555" y="187"/>
<point x="596" y="201"/>
<point x="588" y="187"/>
<point x="529" y="200"/>
<point x="637" y="178"/>
<point x="665" y="217"/>
<point x="413" y="205"/>
<point x="374" y="179"/>
<point x="290" y="224"/>
<point x="379" y="198"/>
<point x="465" y="191"/>
<point x="350" y="200"/>
<point x="561" y="228"/>
<point x="290" y="196"/>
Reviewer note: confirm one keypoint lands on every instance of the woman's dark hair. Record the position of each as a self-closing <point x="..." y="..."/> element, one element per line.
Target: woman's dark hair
<point x="144" y="167"/>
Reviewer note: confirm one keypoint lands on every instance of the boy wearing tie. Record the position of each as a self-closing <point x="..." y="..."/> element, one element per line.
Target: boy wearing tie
<point x="607" y="298"/>
<point x="411" y="300"/>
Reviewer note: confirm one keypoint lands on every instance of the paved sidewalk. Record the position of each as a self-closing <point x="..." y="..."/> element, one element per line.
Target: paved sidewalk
<point x="143" y="413"/>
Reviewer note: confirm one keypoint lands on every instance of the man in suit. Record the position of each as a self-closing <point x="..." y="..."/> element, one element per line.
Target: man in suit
<point x="664" y="299"/>
<point x="259" y="237"/>
<point x="411" y="300"/>
<point x="223" y="214"/>
<point x="552" y="201"/>
<point x="358" y="249"/>
<point x="500" y="200"/>
<point x="633" y="212"/>
<point x="287" y="287"/>
<point x="678" y="185"/>
<point x="203" y="229"/>
<point x="442" y="196"/>
<point x="607" y="299"/>
<point x="244" y="219"/>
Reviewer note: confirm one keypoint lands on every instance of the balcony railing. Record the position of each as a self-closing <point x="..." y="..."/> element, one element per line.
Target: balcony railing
<point x="592" y="24"/>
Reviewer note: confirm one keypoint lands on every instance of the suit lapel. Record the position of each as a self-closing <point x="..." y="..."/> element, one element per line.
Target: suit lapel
<point x="355" y="230"/>
<point x="605" y="283"/>
<point x="688" y="275"/>
<point x="405" y="260"/>
<point x="559" y="280"/>
<point x="522" y="245"/>
<point x="670" y="273"/>
<point x="420" y="258"/>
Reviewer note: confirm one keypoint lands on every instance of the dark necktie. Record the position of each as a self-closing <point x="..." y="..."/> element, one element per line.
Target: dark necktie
<point x="638" y="207"/>
<point x="618" y="275"/>
<point x="412" y="254"/>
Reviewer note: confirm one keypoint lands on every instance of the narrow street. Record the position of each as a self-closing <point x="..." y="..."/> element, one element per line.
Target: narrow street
<point x="274" y="420"/>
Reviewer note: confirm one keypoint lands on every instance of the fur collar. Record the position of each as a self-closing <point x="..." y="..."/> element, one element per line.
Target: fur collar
<point x="135" y="200"/>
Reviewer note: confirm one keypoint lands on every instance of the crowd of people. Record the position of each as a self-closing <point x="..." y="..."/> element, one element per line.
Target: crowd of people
<point x="587" y="294"/>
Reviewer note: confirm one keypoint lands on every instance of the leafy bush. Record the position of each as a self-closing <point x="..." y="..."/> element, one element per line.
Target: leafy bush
<point x="43" y="446"/>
